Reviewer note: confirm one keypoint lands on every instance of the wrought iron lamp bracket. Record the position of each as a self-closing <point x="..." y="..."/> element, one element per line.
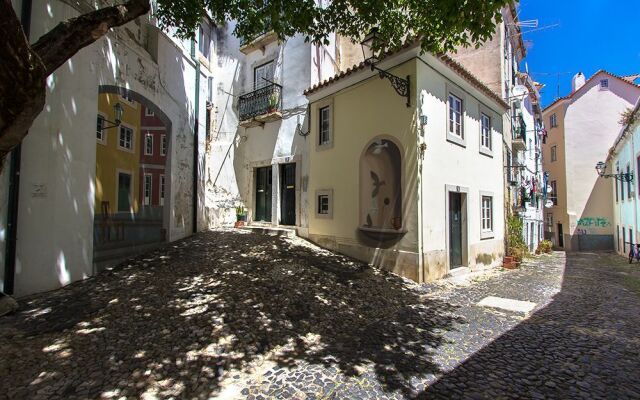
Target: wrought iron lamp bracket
<point x="113" y="125"/>
<point x="401" y="86"/>
<point x="622" y="176"/>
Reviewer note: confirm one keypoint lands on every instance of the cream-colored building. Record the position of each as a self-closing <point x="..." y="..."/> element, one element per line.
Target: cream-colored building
<point x="581" y="128"/>
<point x="418" y="188"/>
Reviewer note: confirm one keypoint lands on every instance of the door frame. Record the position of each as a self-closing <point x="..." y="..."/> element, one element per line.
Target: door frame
<point x="254" y="193"/>
<point x="131" y="189"/>
<point x="464" y="191"/>
<point x="281" y="189"/>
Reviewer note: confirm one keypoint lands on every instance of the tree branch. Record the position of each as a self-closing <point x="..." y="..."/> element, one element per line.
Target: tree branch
<point x="68" y="37"/>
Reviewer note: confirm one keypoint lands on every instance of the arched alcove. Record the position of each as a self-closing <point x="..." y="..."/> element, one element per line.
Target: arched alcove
<point x="381" y="187"/>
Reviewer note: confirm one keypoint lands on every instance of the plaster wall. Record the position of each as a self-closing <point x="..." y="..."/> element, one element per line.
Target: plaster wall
<point x="588" y="133"/>
<point x="57" y="188"/>
<point x="449" y="165"/>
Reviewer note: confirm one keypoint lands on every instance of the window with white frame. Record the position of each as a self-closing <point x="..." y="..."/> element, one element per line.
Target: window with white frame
<point x="324" y="136"/>
<point x="125" y="139"/>
<point x="148" y="112"/>
<point x="554" y="153"/>
<point x="148" y="144"/>
<point x="146" y="200"/>
<point x="161" y="190"/>
<point x="604" y="84"/>
<point x="455" y="116"/>
<point x="485" y="131"/>
<point x="487" y="214"/>
<point x="100" y="133"/>
<point x="263" y="75"/>
<point x="553" y="120"/>
<point x="324" y="204"/>
<point x="163" y="145"/>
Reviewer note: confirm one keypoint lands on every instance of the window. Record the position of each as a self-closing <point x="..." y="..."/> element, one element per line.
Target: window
<point x="163" y="145"/>
<point x="624" y="240"/>
<point x="485" y="131"/>
<point x="629" y="187"/>
<point x="553" y="120"/>
<point x="554" y="153"/>
<point x="604" y="84"/>
<point x="148" y="144"/>
<point x="325" y="126"/>
<point x="550" y="219"/>
<point x="148" y="112"/>
<point x="487" y="214"/>
<point x="455" y="116"/>
<point x="618" y="233"/>
<point x="263" y="75"/>
<point x="324" y="207"/>
<point x="146" y="200"/>
<point x="161" y="190"/>
<point x="210" y="89"/>
<point x="126" y="138"/>
<point x="204" y="39"/>
<point x="554" y="193"/>
<point x="100" y="133"/>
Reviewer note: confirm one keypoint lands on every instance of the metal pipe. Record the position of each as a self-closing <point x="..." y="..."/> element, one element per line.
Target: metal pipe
<point x="196" y="141"/>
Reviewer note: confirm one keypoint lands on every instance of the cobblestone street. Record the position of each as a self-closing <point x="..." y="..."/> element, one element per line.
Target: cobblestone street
<point x="241" y="315"/>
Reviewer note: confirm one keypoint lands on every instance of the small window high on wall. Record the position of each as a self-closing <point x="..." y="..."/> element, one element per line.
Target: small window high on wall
<point x="381" y="187"/>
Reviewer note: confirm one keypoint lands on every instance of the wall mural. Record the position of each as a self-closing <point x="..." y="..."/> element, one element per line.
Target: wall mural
<point x="380" y="189"/>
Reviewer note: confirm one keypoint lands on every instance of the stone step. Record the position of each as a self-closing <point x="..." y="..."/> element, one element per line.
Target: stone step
<point x="270" y="230"/>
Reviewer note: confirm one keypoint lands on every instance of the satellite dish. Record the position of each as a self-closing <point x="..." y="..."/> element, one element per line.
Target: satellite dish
<point x="548" y="204"/>
<point x="519" y="92"/>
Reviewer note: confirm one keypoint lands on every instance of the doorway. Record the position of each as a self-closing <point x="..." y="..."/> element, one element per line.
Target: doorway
<point x="560" y="236"/>
<point x="457" y="230"/>
<point x="288" y="194"/>
<point x="124" y="192"/>
<point x="263" y="194"/>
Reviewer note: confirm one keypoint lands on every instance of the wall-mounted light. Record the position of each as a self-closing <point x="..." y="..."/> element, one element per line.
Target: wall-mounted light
<point x="601" y="167"/>
<point x="118" y="111"/>
<point x="401" y="86"/>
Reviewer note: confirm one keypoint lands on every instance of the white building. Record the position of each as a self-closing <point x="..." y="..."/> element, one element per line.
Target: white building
<point x="56" y="210"/>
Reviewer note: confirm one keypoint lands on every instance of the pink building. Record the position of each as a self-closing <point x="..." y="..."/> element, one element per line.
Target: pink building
<point x="153" y="157"/>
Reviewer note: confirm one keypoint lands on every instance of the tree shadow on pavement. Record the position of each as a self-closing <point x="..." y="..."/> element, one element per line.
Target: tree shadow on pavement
<point x="176" y="321"/>
<point x="584" y="344"/>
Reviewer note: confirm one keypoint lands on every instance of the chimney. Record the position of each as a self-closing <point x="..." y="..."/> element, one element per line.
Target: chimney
<point x="578" y="81"/>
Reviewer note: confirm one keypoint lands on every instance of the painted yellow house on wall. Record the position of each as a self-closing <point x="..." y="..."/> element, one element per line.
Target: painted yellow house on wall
<point x="117" y="156"/>
<point x="414" y="189"/>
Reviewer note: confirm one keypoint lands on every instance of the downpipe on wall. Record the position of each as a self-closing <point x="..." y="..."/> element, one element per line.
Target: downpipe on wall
<point x="196" y="140"/>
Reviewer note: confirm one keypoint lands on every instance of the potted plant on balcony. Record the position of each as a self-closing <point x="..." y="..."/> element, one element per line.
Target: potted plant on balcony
<point x="241" y="216"/>
<point x="273" y="103"/>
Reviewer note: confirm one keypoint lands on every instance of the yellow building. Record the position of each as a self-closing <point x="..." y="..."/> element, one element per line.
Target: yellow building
<point x="117" y="156"/>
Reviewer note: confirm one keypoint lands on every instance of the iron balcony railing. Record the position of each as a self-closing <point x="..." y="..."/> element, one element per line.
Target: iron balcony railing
<point x="266" y="100"/>
<point x="519" y="128"/>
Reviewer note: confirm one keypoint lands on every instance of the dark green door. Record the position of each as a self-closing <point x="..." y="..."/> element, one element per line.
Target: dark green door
<point x="455" y="230"/>
<point x="124" y="192"/>
<point x="288" y="194"/>
<point x="263" y="194"/>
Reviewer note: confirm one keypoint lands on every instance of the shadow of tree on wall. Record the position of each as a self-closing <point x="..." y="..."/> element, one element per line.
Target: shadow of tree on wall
<point x="173" y="322"/>
<point x="584" y="344"/>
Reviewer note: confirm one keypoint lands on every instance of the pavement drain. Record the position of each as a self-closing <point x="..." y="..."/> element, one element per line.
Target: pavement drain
<point x="518" y="306"/>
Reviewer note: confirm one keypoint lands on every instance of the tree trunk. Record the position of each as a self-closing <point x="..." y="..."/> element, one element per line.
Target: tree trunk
<point x="24" y="67"/>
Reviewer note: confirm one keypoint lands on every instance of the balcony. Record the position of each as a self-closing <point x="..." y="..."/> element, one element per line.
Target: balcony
<point x="247" y="45"/>
<point x="260" y="106"/>
<point x="519" y="132"/>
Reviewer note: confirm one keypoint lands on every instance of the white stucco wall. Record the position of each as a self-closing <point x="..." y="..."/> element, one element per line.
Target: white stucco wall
<point x="55" y="227"/>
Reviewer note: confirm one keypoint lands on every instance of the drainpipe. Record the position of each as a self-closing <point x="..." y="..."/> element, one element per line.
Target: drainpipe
<point x="196" y="141"/>
<point x="635" y="197"/>
<point x="14" y="185"/>
<point x="421" y="144"/>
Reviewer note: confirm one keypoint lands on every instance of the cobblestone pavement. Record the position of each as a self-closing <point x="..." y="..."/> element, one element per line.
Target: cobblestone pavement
<point x="238" y="315"/>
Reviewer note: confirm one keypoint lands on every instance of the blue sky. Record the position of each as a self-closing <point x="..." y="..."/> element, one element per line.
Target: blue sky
<point x="592" y="35"/>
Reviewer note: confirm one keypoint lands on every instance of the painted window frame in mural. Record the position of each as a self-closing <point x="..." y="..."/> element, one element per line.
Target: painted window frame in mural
<point x="101" y="133"/>
<point x="163" y="144"/>
<point x="486" y="215"/>
<point x="148" y="144"/>
<point x="162" y="184"/>
<point x="455" y="127"/>
<point x="323" y="143"/>
<point x="122" y="144"/>
<point x="147" y="200"/>
<point x="324" y="195"/>
<point x="486" y="130"/>
<point x="378" y="181"/>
